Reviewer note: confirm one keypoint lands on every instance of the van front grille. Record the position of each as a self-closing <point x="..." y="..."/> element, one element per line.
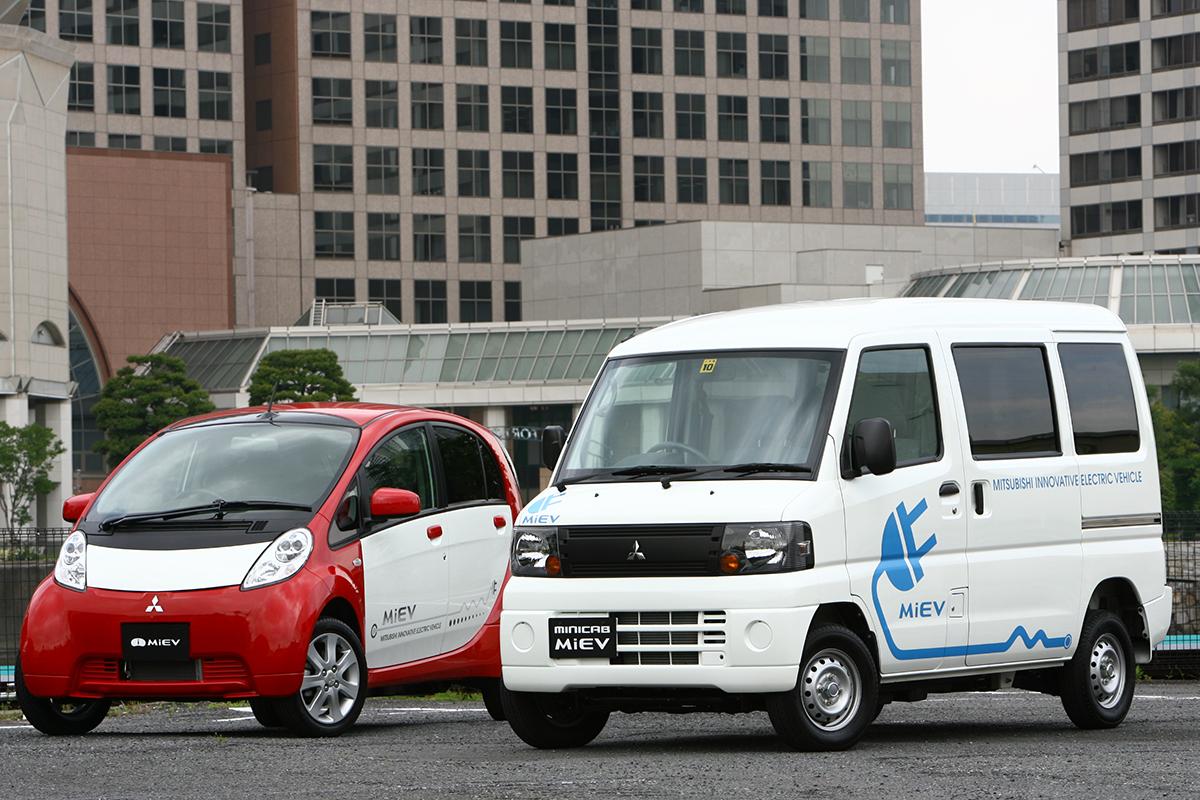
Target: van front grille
<point x="640" y="551"/>
<point x="669" y="637"/>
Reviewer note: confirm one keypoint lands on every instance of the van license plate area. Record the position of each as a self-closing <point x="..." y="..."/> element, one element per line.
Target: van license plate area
<point x="583" y="637"/>
<point x="155" y="641"/>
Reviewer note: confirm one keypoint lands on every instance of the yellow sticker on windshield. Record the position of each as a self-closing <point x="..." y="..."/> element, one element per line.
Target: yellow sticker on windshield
<point x="708" y="365"/>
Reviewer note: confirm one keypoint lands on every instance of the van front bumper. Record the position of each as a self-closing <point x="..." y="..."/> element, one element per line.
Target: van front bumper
<point x="1158" y="616"/>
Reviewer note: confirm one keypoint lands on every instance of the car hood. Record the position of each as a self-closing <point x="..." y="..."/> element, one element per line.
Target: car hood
<point x="144" y="570"/>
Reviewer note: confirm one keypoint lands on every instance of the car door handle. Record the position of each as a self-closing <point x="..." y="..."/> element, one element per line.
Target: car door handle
<point x="434" y="532"/>
<point x="499" y="522"/>
<point x="948" y="489"/>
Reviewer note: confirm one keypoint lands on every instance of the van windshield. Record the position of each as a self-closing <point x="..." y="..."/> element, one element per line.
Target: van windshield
<point x="290" y="463"/>
<point x="697" y="412"/>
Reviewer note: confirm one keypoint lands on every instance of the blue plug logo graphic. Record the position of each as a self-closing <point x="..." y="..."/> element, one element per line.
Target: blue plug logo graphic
<point x="900" y="558"/>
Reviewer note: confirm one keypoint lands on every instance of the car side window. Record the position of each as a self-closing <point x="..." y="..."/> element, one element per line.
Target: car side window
<point x="897" y="384"/>
<point x="401" y="462"/>
<point x="1007" y="397"/>
<point x="463" y="459"/>
<point x="1100" y="396"/>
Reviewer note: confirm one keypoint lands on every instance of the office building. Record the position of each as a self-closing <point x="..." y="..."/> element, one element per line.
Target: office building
<point x="1024" y="199"/>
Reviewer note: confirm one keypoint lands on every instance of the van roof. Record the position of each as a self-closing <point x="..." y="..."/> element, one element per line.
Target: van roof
<point x="833" y="323"/>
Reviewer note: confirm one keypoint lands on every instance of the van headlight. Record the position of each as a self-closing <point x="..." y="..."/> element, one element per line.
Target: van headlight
<point x="71" y="568"/>
<point x="759" y="548"/>
<point x="535" y="552"/>
<point x="281" y="560"/>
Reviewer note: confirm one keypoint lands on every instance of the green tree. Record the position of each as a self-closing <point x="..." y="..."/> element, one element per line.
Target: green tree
<point x="1177" y="436"/>
<point x="26" y="457"/>
<point x="297" y="376"/>
<point x="144" y="397"/>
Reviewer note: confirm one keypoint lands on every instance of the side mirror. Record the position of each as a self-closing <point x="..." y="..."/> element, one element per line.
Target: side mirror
<point x="73" y="507"/>
<point x="553" y="437"/>
<point x="873" y="446"/>
<point x="388" y="503"/>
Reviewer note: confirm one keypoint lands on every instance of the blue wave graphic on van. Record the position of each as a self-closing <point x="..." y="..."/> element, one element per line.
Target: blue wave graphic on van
<point x="900" y="561"/>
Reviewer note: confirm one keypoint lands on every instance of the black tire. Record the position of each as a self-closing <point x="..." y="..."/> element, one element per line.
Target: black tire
<point x="293" y="711"/>
<point x="551" y="721"/>
<point x="59" y="717"/>
<point x="492" y="700"/>
<point x="266" y="711"/>
<point x="1093" y="696"/>
<point x="834" y="654"/>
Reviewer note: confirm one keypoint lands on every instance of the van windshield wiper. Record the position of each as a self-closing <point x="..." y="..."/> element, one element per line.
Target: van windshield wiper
<point x="626" y="472"/>
<point x="741" y="470"/>
<point x="218" y="507"/>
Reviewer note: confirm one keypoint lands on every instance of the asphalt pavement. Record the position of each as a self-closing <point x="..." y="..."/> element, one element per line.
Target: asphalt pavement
<point x="1009" y="744"/>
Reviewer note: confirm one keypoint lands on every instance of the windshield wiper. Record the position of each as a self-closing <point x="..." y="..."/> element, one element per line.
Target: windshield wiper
<point x="218" y="507"/>
<point x="626" y="472"/>
<point x="741" y="470"/>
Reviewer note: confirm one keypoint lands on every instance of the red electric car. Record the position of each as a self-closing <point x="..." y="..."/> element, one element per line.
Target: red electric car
<point x="298" y="557"/>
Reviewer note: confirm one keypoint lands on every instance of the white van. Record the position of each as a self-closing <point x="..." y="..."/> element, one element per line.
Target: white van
<point x="816" y="509"/>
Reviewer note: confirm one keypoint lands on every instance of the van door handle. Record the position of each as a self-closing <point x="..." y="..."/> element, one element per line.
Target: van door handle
<point x="977" y="489"/>
<point x="948" y="489"/>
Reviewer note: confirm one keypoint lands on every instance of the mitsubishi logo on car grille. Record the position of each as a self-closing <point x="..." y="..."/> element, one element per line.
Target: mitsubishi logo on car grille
<point x="636" y="553"/>
<point x="154" y="606"/>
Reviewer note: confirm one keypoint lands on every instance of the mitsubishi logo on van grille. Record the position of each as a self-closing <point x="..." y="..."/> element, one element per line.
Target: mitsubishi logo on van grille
<point x="636" y="553"/>
<point x="154" y="606"/>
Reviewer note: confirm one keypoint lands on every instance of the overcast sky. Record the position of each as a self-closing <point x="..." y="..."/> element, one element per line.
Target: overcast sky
<point x="990" y="82"/>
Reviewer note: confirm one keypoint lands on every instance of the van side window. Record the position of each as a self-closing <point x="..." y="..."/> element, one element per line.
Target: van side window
<point x="1006" y="393"/>
<point x="897" y="384"/>
<point x="1100" y="396"/>
<point x="462" y="463"/>
<point x="402" y="462"/>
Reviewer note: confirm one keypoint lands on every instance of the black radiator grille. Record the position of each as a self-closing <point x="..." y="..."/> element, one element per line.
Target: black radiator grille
<point x="629" y="551"/>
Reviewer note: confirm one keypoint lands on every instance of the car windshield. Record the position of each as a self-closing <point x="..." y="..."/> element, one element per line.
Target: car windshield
<point x="293" y="463"/>
<point x="697" y="411"/>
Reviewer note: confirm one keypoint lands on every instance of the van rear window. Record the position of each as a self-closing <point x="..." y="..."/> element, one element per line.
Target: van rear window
<point x="1006" y="393"/>
<point x="1100" y="396"/>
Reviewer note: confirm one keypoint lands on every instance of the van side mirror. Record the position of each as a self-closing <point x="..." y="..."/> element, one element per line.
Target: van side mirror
<point x="389" y="503"/>
<point x="873" y="447"/>
<point x="73" y="507"/>
<point x="553" y="438"/>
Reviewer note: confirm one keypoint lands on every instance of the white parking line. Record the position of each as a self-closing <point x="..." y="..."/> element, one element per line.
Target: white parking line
<point x="421" y="710"/>
<point x="15" y="727"/>
<point x="234" y="719"/>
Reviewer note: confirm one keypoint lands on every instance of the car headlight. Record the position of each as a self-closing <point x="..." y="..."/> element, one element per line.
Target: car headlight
<point x="535" y="552"/>
<point x="766" y="547"/>
<point x="281" y="560"/>
<point x="71" y="568"/>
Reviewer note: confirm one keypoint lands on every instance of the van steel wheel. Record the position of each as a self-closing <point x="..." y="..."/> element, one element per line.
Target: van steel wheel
<point x="551" y="721"/>
<point x="334" y="686"/>
<point x="59" y="716"/>
<point x="1097" y="683"/>
<point x="832" y="689"/>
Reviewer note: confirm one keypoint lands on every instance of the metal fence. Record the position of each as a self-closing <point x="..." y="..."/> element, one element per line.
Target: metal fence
<point x="27" y="555"/>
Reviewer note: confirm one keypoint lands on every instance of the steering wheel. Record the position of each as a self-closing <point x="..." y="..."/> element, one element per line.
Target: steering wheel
<point x="681" y="447"/>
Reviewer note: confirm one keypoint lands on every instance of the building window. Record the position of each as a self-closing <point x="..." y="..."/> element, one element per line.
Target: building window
<point x="772" y="57"/>
<point x="731" y="7"/>
<point x="213" y="29"/>
<point x="470" y="42"/>
<point x="648" y="115"/>
<point x="562" y="176"/>
<point x="474" y="301"/>
<point x="690" y="6"/>
<point x="856" y="61"/>
<point x="1083" y="14"/>
<point x="262" y="49"/>
<point x="124" y="141"/>
<point x="473" y="173"/>
<point x="516" y="44"/>
<point x="170" y="144"/>
<point x="1103" y="219"/>
<point x="516" y="109"/>
<point x="474" y="239"/>
<point x="1175" y="158"/>
<point x="689" y="52"/>
<point x="334" y="290"/>
<point x="1179" y="211"/>
<point x="897" y="124"/>
<point x="80" y="138"/>
<point x="471" y="107"/>
<point x="1105" y="114"/>
<point x="856" y="123"/>
<point x="74" y="20"/>
<point x="425" y="40"/>
<point x="217" y="147"/>
<point x="387" y="292"/>
<point x="646" y="51"/>
<point x="380" y="39"/>
<point x="560" y="46"/>
<point x="814" y="9"/>
<point x="1174" y="52"/>
<point x="429" y="171"/>
<point x="429" y="237"/>
<point x="383" y="237"/>
<point x="215" y="95"/>
<point x="81" y="94"/>
<point x="774" y="119"/>
<point x="330" y="34"/>
<point x="814" y="59"/>
<point x="649" y="179"/>
<point x="333" y="234"/>
<point x="516" y="230"/>
<point x="512" y="301"/>
<point x="170" y="93"/>
<point x="690" y="116"/>
<point x="732" y="118"/>
<point x="1176" y="105"/>
<point x="733" y="181"/>
<point x="816" y="186"/>
<point x="166" y="18"/>
<point x="776" y="183"/>
<point x="35" y="19"/>
<point x="856" y="185"/>
<point x="429" y="302"/>
<point x="856" y="10"/>
<point x="562" y="226"/>
<point x="121" y="22"/>
<point x="898" y="186"/>
<point x="332" y="104"/>
<point x="561" y="114"/>
<point x="691" y="180"/>
<point x="333" y="168"/>
<point x="427" y="106"/>
<point x="262" y="115"/>
<point x="645" y="5"/>
<point x="896" y="57"/>
<point x="517" y="173"/>
<point x="124" y="90"/>
<point x="893" y="12"/>
<point x="772" y="8"/>
<point x="383" y="170"/>
<point x="1168" y="8"/>
<point x="1105" y="62"/>
<point x="731" y="55"/>
<point x="262" y="178"/>
<point x="382" y="104"/>
<point x="814" y="122"/>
